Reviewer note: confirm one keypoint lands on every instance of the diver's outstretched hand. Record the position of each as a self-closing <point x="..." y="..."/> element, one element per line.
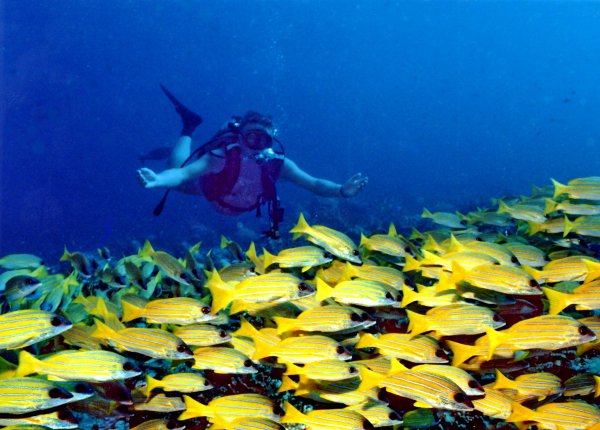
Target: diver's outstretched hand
<point x="147" y="177"/>
<point x="354" y="185"/>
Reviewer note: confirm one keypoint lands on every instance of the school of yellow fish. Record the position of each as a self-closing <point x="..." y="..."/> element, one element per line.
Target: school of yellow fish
<point x="453" y="324"/>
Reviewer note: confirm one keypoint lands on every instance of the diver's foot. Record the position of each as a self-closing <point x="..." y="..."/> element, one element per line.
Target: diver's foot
<point x="190" y="119"/>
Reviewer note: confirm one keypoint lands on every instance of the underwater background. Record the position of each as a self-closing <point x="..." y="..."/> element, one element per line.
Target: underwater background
<point x="443" y="105"/>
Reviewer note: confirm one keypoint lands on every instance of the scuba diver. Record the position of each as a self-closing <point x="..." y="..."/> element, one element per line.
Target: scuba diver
<point x="237" y="169"/>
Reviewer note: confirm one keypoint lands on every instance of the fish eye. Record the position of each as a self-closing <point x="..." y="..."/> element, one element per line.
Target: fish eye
<point x="352" y="370"/>
<point x="584" y="330"/>
<point x="277" y="410"/>
<point x="440" y="353"/>
<point x="171" y="424"/>
<point x="223" y="334"/>
<point x="303" y="286"/>
<point x="182" y="348"/>
<point x="205" y="310"/>
<point x="367" y="425"/>
<point x="496" y="318"/>
<point x="340" y="349"/>
<point x="389" y="296"/>
<point x="58" y="393"/>
<point x="355" y="252"/>
<point x="56" y="321"/>
<point x="65" y="415"/>
<point x="474" y="384"/>
<point x="185" y="277"/>
<point x="327" y="255"/>
<point x="82" y="388"/>
<point x="355" y="317"/>
<point x="478" y="239"/>
<point x="533" y="283"/>
<point x="127" y="366"/>
<point x="514" y="259"/>
<point x="248" y="363"/>
<point x="407" y="250"/>
<point x="460" y="398"/>
<point x="394" y="416"/>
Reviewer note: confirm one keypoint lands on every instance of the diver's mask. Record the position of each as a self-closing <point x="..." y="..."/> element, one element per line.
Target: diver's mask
<point x="257" y="139"/>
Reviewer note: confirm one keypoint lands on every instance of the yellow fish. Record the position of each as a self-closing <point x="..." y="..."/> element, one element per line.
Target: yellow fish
<point x="331" y="240"/>
<point x="325" y="419"/>
<point x="175" y="310"/>
<point x="24" y="395"/>
<point x="304" y="257"/>
<point x="580" y="188"/>
<point x="170" y="266"/>
<point x="19" y="329"/>
<point x="230" y="408"/>
<point x="454" y="319"/>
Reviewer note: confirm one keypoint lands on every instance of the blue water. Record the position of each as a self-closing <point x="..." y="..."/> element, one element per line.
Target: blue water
<point x="442" y="104"/>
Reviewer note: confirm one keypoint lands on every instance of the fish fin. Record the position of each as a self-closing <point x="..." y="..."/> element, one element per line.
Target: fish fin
<point x="284" y="324"/>
<point x="28" y="364"/>
<point x="291" y="368"/>
<point x="292" y="415"/>
<point x="147" y="252"/>
<point x="495" y="339"/>
<point x="151" y="384"/>
<point x="263" y="349"/>
<point x="364" y="240"/>
<point x="502" y="382"/>
<point x="426" y="213"/>
<point x="417" y="323"/>
<point x="597" y="390"/>
<point x="503" y="208"/>
<point x="461" y="352"/>
<point x="410" y="263"/>
<point x="557" y="299"/>
<point x="194" y="409"/>
<point x="238" y="306"/>
<point x="569" y="225"/>
<point x="300" y="228"/>
<point x="396" y="367"/>
<point x="455" y="245"/>
<point x="324" y="291"/>
<point x="549" y="206"/>
<point x="219" y="423"/>
<point x="102" y="331"/>
<point x="408" y="296"/>
<point x="367" y="340"/>
<point x="287" y="384"/>
<point x="520" y="413"/>
<point x="559" y="188"/>
<point x="392" y="230"/>
<point x="422" y="405"/>
<point x="246" y="329"/>
<point x="267" y="258"/>
<point x="369" y="379"/>
<point x="533" y="227"/>
<point x="593" y="270"/>
<point x="221" y="293"/>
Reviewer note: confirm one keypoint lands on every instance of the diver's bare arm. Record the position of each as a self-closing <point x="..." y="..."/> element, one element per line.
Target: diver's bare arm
<point x="173" y="177"/>
<point x="322" y="187"/>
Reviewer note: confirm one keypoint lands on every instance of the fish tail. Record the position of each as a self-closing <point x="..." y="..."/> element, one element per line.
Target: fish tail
<point x="28" y="364"/>
<point x="130" y="311"/>
<point x="220" y="296"/>
<point x="292" y="415"/>
<point x="455" y="245"/>
<point x="284" y="324"/>
<point x="396" y="367"/>
<point x="569" y="225"/>
<point x="291" y="368"/>
<point x="238" y="306"/>
<point x="520" y="413"/>
<point x="549" y="206"/>
<point x="324" y="291"/>
<point x="193" y="409"/>
<point x="369" y="379"/>
<point x="300" y="228"/>
<point x="426" y="213"/>
<point x="263" y="349"/>
<point x="557" y="300"/>
<point x="593" y="271"/>
<point x="348" y="272"/>
<point x="495" y="339"/>
<point x="246" y="329"/>
<point x="503" y="208"/>
<point x="102" y="331"/>
<point x="364" y="240"/>
<point x="408" y="296"/>
<point x="559" y="188"/>
<point x="287" y="384"/>
<point x="533" y="227"/>
<point x="367" y="340"/>
<point x="458" y="273"/>
<point x="502" y="382"/>
<point x="460" y="352"/>
<point x="417" y="323"/>
<point x="147" y="252"/>
<point x="267" y="258"/>
<point x="411" y="263"/>
<point x="151" y="384"/>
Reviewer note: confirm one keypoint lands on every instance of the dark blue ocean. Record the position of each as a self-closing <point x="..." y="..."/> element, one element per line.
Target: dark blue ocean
<point x="442" y="104"/>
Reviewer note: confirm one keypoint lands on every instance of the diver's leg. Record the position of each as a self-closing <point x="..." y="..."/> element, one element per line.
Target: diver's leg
<point x="181" y="151"/>
<point x="190" y="119"/>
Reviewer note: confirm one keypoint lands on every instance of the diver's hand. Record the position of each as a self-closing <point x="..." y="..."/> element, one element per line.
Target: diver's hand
<point x="147" y="177"/>
<point x="353" y="185"/>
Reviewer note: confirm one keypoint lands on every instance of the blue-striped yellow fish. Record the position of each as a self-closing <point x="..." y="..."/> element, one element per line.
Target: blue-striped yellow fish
<point x="169" y="265"/>
<point x="575" y="414"/>
<point x="329" y="318"/>
<point x="222" y="360"/>
<point x="331" y="240"/>
<point x="324" y="370"/>
<point x="61" y="419"/>
<point x="175" y="310"/>
<point x="183" y="382"/>
<point x="538" y="385"/>
<point x="357" y="292"/>
<point x="579" y="188"/>
<point x="405" y="346"/>
<point x="454" y="319"/>
<point x="24" y="395"/>
<point x="303" y="349"/>
<point x="19" y="329"/>
<point x="446" y="219"/>
<point x="231" y="407"/>
<point x="202" y="335"/>
<point x="153" y="342"/>
<point x="325" y="419"/>
<point x="79" y="365"/>
<point x="304" y="257"/>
